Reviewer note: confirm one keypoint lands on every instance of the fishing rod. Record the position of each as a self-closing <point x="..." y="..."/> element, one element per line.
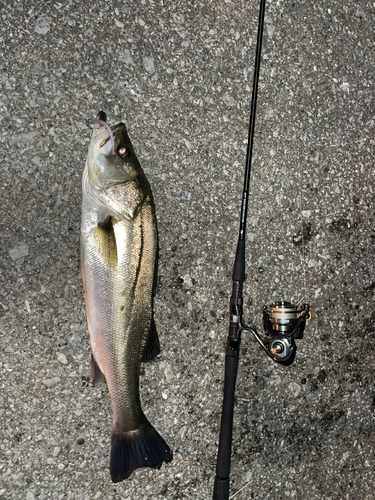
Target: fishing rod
<point x="282" y="321"/>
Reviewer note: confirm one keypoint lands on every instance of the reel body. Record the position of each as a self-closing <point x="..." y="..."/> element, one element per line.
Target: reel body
<point x="282" y="323"/>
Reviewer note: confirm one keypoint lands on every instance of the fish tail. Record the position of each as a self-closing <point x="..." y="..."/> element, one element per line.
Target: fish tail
<point x="143" y="447"/>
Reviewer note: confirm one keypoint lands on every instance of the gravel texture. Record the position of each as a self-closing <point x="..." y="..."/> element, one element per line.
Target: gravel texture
<point x="179" y="74"/>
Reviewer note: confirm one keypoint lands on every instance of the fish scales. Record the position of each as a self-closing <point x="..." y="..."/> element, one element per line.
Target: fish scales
<point x="118" y="255"/>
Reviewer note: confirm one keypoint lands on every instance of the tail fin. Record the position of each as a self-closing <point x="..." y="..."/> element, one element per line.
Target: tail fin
<point x="143" y="447"/>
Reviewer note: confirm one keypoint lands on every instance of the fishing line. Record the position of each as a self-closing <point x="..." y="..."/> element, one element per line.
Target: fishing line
<point x="303" y="250"/>
<point x="239" y="491"/>
<point x="301" y="235"/>
<point x="312" y="284"/>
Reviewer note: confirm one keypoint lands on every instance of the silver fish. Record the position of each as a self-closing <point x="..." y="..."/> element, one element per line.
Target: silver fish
<point x="118" y="267"/>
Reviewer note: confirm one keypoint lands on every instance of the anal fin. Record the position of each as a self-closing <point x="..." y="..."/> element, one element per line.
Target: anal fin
<point x="152" y="348"/>
<point x="96" y="373"/>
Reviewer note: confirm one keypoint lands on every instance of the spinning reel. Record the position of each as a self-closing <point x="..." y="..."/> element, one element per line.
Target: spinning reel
<point x="282" y="323"/>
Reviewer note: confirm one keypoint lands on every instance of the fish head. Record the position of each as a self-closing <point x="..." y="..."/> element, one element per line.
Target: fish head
<point x="111" y="158"/>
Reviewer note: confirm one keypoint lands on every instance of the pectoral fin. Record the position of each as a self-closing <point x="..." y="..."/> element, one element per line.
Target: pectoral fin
<point x="105" y="238"/>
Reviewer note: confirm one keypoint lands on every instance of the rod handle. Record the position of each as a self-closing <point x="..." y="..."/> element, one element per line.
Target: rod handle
<point x="221" y="489"/>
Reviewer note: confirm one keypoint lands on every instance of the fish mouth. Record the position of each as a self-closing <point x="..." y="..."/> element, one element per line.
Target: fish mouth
<point x="107" y="138"/>
<point x="102" y="117"/>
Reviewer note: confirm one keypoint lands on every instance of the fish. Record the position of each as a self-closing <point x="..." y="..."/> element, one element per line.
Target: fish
<point x="119" y="247"/>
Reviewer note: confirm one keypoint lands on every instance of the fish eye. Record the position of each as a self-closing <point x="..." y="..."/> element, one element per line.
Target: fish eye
<point x="123" y="151"/>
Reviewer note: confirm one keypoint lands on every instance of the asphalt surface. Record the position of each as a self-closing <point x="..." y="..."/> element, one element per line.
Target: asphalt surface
<point x="179" y="74"/>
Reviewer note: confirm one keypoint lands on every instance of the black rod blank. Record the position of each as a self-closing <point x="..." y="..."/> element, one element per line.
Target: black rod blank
<point x="239" y="264"/>
<point x="252" y="120"/>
